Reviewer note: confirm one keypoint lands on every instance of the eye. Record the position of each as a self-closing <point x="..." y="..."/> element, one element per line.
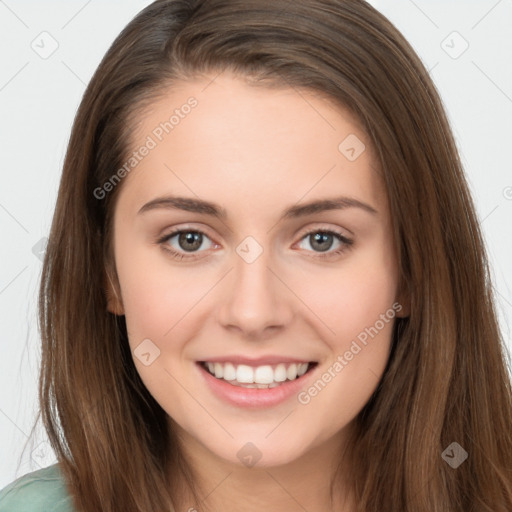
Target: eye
<point x="186" y="243"/>
<point x="183" y="241"/>
<point x="322" y="240"/>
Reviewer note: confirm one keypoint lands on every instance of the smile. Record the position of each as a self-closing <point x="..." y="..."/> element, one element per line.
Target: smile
<point x="261" y="377"/>
<point x="256" y="386"/>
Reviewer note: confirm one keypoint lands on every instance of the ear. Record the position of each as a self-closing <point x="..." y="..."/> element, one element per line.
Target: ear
<point x="113" y="294"/>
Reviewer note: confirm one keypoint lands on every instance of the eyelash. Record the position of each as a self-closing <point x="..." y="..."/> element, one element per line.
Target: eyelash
<point x="347" y="243"/>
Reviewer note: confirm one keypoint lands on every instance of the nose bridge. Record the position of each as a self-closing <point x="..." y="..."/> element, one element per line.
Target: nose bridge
<point x="255" y="299"/>
<point x="254" y="278"/>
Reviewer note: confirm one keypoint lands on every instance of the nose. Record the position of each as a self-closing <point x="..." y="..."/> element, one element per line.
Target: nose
<point x="256" y="302"/>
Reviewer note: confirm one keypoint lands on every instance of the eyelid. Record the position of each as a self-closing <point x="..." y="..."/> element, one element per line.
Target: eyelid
<point x="323" y="227"/>
<point x="302" y="232"/>
<point x="337" y="231"/>
<point x="186" y="227"/>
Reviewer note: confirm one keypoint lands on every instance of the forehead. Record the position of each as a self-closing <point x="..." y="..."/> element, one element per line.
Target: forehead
<point x="219" y="136"/>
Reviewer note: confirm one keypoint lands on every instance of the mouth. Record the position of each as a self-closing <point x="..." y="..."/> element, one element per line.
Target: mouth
<point x="265" y="376"/>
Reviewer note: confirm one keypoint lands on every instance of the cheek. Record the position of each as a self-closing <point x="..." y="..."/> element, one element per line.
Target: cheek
<point x="157" y="303"/>
<point x="154" y="296"/>
<point x="358" y="354"/>
<point x="360" y="328"/>
<point x="160" y="305"/>
<point x="358" y="305"/>
<point x="352" y="294"/>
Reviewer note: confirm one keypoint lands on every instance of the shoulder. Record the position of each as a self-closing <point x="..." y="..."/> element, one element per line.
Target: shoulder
<point x="43" y="490"/>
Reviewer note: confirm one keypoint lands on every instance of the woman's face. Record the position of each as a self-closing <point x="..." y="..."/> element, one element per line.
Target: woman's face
<point x="254" y="230"/>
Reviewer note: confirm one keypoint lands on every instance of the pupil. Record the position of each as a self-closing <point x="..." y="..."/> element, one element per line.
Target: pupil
<point x="320" y="239"/>
<point x="190" y="237"/>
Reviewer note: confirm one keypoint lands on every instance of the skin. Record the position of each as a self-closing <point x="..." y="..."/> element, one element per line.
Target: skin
<point x="256" y="151"/>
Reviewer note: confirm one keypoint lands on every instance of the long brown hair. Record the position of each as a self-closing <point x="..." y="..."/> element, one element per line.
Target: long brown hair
<point x="446" y="380"/>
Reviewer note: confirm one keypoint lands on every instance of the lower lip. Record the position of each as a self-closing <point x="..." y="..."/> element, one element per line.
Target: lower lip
<point x="253" y="397"/>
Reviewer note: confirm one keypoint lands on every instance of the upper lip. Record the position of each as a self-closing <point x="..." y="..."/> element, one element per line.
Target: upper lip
<point x="260" y="361"/>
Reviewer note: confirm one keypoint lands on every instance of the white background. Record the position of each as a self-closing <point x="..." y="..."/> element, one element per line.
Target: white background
<point x="39" y="98"/>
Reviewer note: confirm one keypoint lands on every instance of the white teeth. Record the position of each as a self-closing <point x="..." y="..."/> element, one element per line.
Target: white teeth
<point x="265" y="376"/>
<point x="229" y="372"/>
<point x="280" y="373"/>
<point x="245" y="374"/>
<point x="219" y="370"/>
<point x="291" y="373"/>
<point x="302" y="369"/>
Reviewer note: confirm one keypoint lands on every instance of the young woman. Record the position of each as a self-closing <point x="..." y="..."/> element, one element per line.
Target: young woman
<point x="265" y="285"/>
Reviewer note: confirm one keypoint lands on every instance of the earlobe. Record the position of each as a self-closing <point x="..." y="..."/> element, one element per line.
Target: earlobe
<point x="405" y="310"/>
<point x="114" y="301"/>
<point x="114" y="304"/>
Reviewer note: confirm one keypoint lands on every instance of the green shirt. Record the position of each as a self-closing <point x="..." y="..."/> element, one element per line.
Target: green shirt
<point x="43" y="490"/>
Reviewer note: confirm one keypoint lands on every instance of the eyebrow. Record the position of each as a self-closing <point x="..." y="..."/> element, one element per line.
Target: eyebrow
<point x="208" y="208"/>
